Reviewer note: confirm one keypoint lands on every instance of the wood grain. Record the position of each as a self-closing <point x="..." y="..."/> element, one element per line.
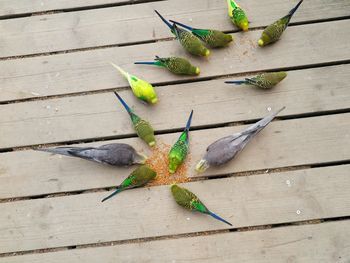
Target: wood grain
<point x="139" y="213"/>
<point x="23" y="7"/>
<point x="283" y="143"/>
<point x="138" y="23"/>
<point x="213" y="102"/>
<point x="90" y="70"/>
<point x="321" y="243"/>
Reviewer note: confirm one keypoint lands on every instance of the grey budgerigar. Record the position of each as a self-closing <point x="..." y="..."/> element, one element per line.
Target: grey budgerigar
<point x="225" y="149"/>
<point x="117" y="154"/>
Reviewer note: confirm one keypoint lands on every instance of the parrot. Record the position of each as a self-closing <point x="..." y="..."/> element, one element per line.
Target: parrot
<point x="139" y="177"/>
<point x="116" y="154"/>
<point x="175" y="65"/>
<point x="237" y="15"/>
<point x="178" y="152"/>
<point x="273" y="32"/>
<point x="264" y="81"/>
<point x="213" y="38"/>
<point x="141" y="89"/>
<point x="225" y="149"/>
<point x="189" y="200"/>
<point x="143" y="129"/>
<point x="190" y="42"/>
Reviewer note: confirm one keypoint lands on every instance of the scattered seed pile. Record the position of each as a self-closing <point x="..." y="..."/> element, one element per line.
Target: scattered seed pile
<point x="158" y="161"/>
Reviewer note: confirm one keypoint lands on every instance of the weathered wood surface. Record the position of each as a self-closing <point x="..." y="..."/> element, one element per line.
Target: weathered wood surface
<point x="284" y="143"/>
<point x="245" y="201"/>
<point x="22" y="7"/>
<point x="86" y="71"/>
<point x="320" y="243"/>
<point x="137" y="23"/>
<point x="101" y="115"/>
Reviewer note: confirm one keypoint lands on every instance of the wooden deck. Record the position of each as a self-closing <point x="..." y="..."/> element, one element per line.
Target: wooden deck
<point x="287" y="194"/>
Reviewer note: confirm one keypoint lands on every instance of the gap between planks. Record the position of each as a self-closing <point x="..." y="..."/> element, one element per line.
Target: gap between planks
<point x="177" y="82"/>
<point x="178" y="236"/>
<point x="164" y="39"/>
<point x="74" y="9"/>
<point x="77" y="37"/>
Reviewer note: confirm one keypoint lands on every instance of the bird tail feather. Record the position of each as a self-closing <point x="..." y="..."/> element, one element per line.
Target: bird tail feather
<point x="164" y="20"/>
<point x="188" y="124"/>
<point x="262" y="123"/>
<point x="182" y="25"/>
<point x="123" y="72"/>
<point x="237" y="82"/>
<point x="155" y="63"/>
<point x="291" y="12"/>
<point x="219" y="218"/>
<point x="58" y="150"/>
<point x="112" y="194"/>
<point x="126" y="106"/>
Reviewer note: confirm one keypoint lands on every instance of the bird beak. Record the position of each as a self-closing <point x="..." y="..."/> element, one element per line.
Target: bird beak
<point x="141" y="158"/>
<point x="202" y="166"/>
<point x="261" y="42"/>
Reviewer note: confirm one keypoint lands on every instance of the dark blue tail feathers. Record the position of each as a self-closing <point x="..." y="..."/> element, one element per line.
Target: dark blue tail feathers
<point x="291" y="12"/>
<point x="123" y="103"/>
<point x="182" y="25"/>
<point x="219" y="218"/>
<point x="112" y="194"/>
<point x="188" y="124"/>
<point x="164" y="20"/>
<point x="237" y="82"/>
<point x="145" y="63"/>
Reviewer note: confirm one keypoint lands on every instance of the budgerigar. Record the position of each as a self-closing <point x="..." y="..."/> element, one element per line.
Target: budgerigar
<point x="237" y="15"/>
<point x="190" y="42"/>
<point x="213" y="38"/>
<point x="141" y="89"/>
<point x="225" y="149"/>
<point x="264" y="81"/>
<point x="176" y="65"/>
<point x="189" y="200"/>
<point x="143" y="129"/>
<point x="273" y="32"/>
<point x="178" y="152"/>
<point x="139" y="177"/>
<point x="117" y="154"/>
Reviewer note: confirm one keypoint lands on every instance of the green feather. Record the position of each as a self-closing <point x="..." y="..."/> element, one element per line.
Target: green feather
<point x="190" y="42"/>
<point x="139" y="177"/>
<point x="189" y="200"/>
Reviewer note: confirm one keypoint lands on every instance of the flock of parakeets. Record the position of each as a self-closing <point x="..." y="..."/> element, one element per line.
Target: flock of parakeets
<point x="194" y="41"/>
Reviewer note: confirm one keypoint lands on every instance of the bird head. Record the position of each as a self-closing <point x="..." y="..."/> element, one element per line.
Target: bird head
<point x="245" y="25"/>
<point x="264" y="40"/>
<point x="202" y="165"/>
<point x="140" y="158"/>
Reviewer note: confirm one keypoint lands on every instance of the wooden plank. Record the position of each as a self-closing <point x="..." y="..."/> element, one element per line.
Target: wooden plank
<point x="246" y="201"/>
<point x="282" y="144"/>
<point x="101" y="115"/>
<point x="22" y="7"/>
<point x="137" y="23"/>
<point x="327" y="242"/>
<point x="89" y="71"/>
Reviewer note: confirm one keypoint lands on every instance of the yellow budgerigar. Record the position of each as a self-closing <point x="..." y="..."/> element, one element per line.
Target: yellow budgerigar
<point x="141" y="89"/>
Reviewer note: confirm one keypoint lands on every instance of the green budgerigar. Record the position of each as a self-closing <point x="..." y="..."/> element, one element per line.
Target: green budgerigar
<point x="264" y="80"/>
<point x="143" y="129"/>
<point x="141" y="89"/>
<point x="237" y="15"/>
<point x="189" y="200"/>
<point x="273" y="32"/>
<point x="176" y="65"/>
<point x="138" y="178"/>
<point x="190" y="42"/>
<point x="213" y="38"/>
<point x="179" y="151"/>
